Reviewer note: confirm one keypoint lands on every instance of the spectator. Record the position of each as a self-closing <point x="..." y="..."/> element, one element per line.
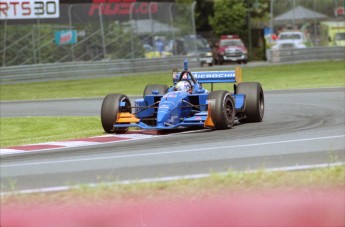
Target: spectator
<point x="159" y="46"/>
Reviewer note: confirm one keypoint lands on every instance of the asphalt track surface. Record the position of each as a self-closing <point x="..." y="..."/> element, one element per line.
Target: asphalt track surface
<point x="300" y="127"/>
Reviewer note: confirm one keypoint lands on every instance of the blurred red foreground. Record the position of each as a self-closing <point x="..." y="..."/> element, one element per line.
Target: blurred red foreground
<point x="264" y="208"/>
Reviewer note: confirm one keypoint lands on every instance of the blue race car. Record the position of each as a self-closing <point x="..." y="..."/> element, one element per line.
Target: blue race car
<point x="186" y="104"/>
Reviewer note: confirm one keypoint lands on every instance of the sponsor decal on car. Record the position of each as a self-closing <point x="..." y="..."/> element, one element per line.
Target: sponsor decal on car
<point x="164" y="107"/>
<point x="172" y="119"/>
<point x="170" y="95"/>
<point x="209" y="75"/>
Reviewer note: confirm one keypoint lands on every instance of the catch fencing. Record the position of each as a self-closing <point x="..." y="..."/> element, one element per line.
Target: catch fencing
<point x="98" y="32"/>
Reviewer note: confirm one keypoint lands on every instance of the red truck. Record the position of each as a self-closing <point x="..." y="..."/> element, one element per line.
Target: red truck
<point x="230" y="48"/>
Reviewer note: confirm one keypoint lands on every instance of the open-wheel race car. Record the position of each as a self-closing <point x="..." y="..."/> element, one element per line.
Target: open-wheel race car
<point x="186" y="104"/>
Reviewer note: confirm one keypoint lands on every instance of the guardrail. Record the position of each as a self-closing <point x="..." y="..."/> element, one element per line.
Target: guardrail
<point x="75" y="70"/>
<point x="306" y="54"/>
<point x="87" y="69"/>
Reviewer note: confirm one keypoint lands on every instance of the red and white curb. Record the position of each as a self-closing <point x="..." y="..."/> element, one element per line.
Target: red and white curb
<point x="97" y="140"/>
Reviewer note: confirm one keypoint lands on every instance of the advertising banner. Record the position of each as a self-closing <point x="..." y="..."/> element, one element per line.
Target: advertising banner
<point x="64" y="37"/>
<point x="29" y="9"/>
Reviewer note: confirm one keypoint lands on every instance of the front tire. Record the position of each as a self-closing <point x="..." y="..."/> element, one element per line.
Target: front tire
<point x="111" y="107"/>
<point x="255" y="103"/>
<point x="223" y="112"/>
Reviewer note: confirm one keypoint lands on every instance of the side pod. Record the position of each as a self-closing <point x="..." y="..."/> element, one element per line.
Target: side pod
<point x="209" y="122"/>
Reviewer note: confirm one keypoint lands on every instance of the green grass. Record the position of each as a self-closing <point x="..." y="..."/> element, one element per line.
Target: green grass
<point x="29" y="130"/>
<point x="290" y="76"/>
<point x="332" y="177"/>
<point x="307" y="75"/>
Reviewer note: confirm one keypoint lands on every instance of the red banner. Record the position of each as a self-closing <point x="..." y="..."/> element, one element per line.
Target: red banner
<point x="122" y="7"/>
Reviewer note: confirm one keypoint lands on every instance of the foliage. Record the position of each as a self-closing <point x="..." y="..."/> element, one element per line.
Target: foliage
<point x="118" y="41"/>
<point x="27" y="44"/>
<point x="122" y="43"/>
<point x="203" y="9"/>
<point x="259" y="13"/>
<point x="32" y="44"/>
<point x="228" y="17"/>
<point x="183" y="14"/>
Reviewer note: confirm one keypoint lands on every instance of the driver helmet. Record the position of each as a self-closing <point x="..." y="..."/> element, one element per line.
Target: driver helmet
<point x="183" y="86"/>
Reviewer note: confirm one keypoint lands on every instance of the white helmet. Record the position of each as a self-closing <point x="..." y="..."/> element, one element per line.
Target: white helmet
<point x="183" y="86"/>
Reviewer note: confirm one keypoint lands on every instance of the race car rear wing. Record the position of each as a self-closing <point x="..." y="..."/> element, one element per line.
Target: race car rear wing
<point x="210" y="77"/>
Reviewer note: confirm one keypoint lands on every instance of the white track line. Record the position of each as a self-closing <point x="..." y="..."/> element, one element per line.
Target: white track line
<point x="171" y="178"/>
<point x="66" y="144"/>
<point x="5" y="151"/>
<point x="177" y="152"/>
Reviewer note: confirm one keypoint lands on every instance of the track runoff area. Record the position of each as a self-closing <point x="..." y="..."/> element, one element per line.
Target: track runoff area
<point x="264" y="207"/>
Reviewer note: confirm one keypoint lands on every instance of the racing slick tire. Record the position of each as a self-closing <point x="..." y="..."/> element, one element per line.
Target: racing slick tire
<point x="223" y="112"/>
<point x="110" y="109"/>
<point x="161" y="88"/>
<point x="255" y="102"/>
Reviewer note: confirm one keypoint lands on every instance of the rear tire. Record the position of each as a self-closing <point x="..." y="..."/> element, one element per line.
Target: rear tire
<point x="223" y="112"/>
<point x="255" y="103"/>
<point x="161" y="88"/>
<point x="111" y="107"/>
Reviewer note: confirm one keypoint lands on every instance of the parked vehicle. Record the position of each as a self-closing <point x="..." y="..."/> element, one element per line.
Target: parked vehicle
<point x="290" y="40"/>
<point x="333" y="33"/>
<point x="198" y="47"/>
<point x="150" y="52"/>
<point x="230" y="48"/>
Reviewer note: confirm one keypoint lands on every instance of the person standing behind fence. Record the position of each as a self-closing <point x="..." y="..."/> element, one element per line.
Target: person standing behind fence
<point x="159" y="44"/>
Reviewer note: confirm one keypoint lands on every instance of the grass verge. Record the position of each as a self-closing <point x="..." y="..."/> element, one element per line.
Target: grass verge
<point x="332" y="177"/>
<point x="290" y="76"/>
<point x="28" y="130"/>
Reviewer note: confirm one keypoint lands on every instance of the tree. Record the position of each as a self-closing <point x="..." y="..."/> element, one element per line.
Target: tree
<point x="202" y="10"/>
<point x="229" y="17"/>
<point x="259" y="13"/>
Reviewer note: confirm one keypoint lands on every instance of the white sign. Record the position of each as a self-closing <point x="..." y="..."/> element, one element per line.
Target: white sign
<point x="29" y="9"/>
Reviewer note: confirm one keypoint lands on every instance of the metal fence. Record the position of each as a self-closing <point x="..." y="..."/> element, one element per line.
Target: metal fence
<point x="78" y="70"/>
<point x="305" y="54"/>
<point x="93" y="32"/>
